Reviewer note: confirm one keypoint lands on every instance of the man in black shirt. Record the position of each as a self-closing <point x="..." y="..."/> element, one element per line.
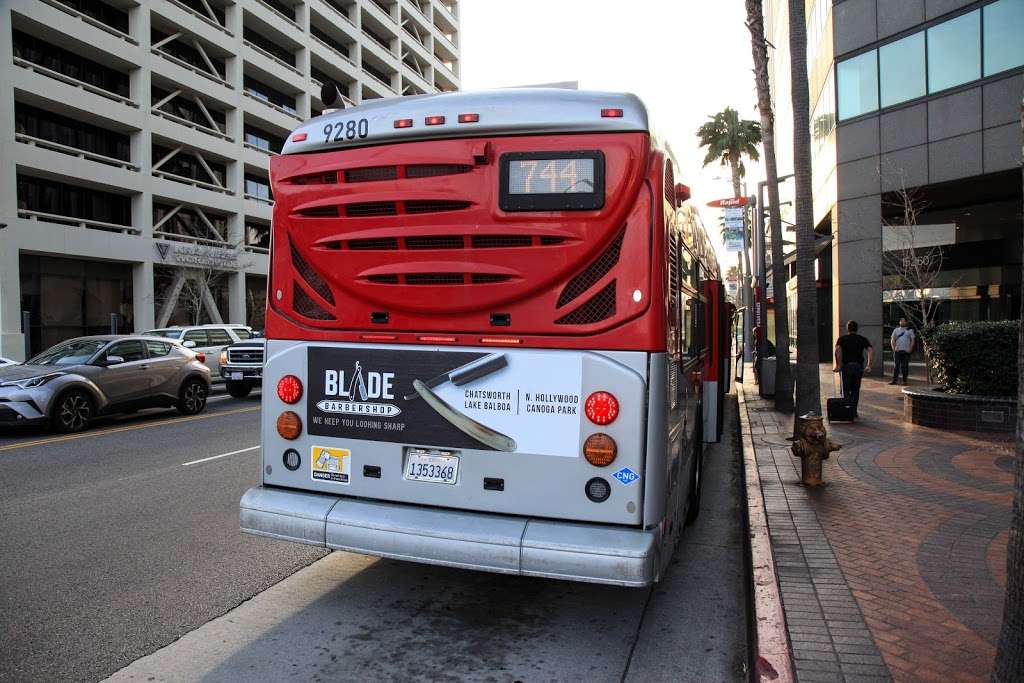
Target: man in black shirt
<point x="849" y="359"/>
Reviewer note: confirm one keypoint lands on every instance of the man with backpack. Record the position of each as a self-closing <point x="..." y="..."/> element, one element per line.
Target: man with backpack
<point x="902" y="342"/>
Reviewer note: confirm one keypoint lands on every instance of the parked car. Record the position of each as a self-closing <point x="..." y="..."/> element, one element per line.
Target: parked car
<point x="241" y="366"/>
<point x="75" y="381"/>
<point x="209" y="340"/>
<point x="7" y="361"/>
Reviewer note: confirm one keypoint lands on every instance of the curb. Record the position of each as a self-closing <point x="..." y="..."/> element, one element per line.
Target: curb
<point x="772" y="659"/>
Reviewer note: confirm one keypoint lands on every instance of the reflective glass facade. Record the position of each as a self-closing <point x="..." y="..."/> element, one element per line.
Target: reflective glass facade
<point x="980" y="43"/>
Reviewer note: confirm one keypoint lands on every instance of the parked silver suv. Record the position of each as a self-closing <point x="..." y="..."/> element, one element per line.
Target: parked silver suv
<point x="206" y="339"/>
<point x="73" y="382"/>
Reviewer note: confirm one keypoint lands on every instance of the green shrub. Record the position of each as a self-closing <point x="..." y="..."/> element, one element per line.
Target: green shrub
<point x="977" y="358"/>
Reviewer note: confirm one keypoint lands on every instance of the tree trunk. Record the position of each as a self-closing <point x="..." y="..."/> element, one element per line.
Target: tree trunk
<point x="1009" y="664"/>
<point x="808" y="389"/>
<point x="783" y="378"/>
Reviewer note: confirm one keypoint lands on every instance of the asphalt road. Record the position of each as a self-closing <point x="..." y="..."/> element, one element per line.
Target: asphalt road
<point x="111" y="547"/>
<point x="353" y="618"/>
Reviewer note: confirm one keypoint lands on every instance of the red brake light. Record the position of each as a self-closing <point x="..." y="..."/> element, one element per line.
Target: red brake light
<point x="434" y="120"/>
<point x="469" y="118"/>
<point x="601" y="408"/>
<point x="299" y="137"/>
<point x="201" y="357"/>
<point x="289" y="389"/>
<point x="611" y="113"/>
<point x="403" y="123"/>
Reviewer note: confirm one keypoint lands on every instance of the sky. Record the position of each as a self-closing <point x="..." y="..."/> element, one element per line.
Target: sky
<point x="686" y="59"/>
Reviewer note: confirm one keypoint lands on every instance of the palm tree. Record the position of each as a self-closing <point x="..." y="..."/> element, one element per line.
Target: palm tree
<point x="783" y="379"/>
<point x="728" y="140"/>
<point x="808" y="387"/>
<point x="1010" y="653"/>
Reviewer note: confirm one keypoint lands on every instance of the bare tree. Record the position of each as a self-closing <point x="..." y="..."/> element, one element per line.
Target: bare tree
<point x="915" y="263"/>
<point x="759" y="46"/>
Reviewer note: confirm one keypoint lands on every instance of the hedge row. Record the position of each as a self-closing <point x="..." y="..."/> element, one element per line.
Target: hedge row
<point x="977" y="358"/>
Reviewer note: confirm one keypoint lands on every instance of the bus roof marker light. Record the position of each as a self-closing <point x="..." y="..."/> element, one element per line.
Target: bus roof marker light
<point x="601" y="408"/>
<point x="469" y="118"/>
<point x="611" y="113"/>
<point x="289" y="389"/>
<point x="403" y="123"/>
<point x="434" y="120"/>
<point x="299" y="137"/>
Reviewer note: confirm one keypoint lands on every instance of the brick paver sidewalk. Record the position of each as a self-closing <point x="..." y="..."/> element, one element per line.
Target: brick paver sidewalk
<point x="898" y="567"/>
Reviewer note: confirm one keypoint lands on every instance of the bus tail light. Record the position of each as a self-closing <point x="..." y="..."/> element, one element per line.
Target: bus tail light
<point x="601" y="408"/>
<point x="611" y="113"/>
<point x="289" y="425"/>
<point x="289" y="389"/>
<point x="598" y="490"/>
<point x="600" y="450"/>
<point x="469" y="118"/>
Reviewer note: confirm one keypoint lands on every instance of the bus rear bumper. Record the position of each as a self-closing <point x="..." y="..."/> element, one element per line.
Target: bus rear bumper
<point x="455" y="538"/>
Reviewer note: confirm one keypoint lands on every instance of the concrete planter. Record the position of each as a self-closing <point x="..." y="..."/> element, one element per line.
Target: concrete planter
<point x="928" y="407"/>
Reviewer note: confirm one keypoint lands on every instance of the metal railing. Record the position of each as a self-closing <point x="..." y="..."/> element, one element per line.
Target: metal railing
<point x="92" y="22"/>
<point x="270" y="104"/>
<point x="79" y="222"/>
<point x="185" y="65"/>
<point x="257" y="198"/>
<point x="390" y="89"/>
<point x="191" y="124"/>
<point x="278" y="13"/>
<point x="185" y="180"/>
<point x="332" y="49"/>
<point x="74" y="151"/>
<point x="202" y="17"/>
<point x="256" y="249"/>
<point x="56" y="75"/>
<point x="379" y="42"/>
<point x="340" y="13"/>
<point x="257" y="148"/>
<point x="271" y="56"/>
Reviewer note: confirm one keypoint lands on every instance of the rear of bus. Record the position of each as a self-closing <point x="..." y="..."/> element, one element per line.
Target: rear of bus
<point x="466" y="332"/>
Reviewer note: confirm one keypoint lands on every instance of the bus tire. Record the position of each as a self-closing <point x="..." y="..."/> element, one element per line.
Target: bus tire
<point x="696" y="485"/>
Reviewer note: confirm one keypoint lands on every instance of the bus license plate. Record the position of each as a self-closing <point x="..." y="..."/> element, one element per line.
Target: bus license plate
<point x="440" y="469"/>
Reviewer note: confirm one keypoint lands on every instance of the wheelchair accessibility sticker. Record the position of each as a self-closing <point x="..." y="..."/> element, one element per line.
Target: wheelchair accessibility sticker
<point x="331" y="464"/>
<point x="626" y="476"/>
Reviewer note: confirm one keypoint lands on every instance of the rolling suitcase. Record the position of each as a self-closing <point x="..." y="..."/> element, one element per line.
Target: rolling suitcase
<point x="839" y="409"/>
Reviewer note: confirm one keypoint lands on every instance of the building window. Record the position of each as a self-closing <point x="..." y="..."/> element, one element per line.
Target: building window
<point x="954" y="52"/>
<point x="61" y="199"/>
<point x="204" y="9"/>
<point x="187" y="109"/>
<point x="858" y="85"/>
<point x="265" y="92"/>
<point x="188" y="223"/>
<point x="258" y="187"/>
<point x="1004" y="27"/>
<point x="268" y="45"/>
<point x="186" y="164"/>
<point x="901" y="67"/>
<point x="101" y="12"/>
<point x="69" y="64"/>
<point x="261" y="139"/>
<point x="323" y="35"/>
<point x="284" y="9"/>
<point x="38" y="123"/>
<point x="257" y="234"/>
<point x="188" y="54"/>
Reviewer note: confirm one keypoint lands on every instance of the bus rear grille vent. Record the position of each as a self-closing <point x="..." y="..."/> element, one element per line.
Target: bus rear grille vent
<point x="304" y="305"/>
<point x="368" y="209"/>
<point x="439" y="278"/>
<point x="434" y="205"/>
<point x="329" y="178"/>
<point x="436" y="242"/>
<point x="600" y="307"/>
<point x="312" y="278"/>
<point x="379" y="244"/>
<point x="434" y="170"/>
<point x="371" y="173"/>
<point x="499" y="241"/>
<point x="547" y="241"/>
<point x="319" y="212"/>
<point x="598" y="268"/>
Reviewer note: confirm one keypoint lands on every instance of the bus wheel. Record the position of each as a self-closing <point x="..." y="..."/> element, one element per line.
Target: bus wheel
<point x="696" y="485"/>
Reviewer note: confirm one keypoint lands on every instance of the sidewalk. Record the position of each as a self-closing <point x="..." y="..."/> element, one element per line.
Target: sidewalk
<point x="897" y="569"/>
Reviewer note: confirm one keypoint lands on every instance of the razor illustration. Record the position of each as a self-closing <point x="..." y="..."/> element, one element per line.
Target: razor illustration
<point x="464" y="374"/>
<point x="463" y="422"/>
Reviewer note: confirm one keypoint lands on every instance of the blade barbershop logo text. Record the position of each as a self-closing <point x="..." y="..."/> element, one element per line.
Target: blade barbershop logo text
<point x="355" y="396"/>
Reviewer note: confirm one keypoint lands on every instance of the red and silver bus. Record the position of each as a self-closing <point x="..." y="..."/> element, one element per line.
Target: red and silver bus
<point x="494" y="337"/>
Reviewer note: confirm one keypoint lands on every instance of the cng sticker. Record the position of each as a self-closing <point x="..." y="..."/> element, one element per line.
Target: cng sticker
<point x="626" y="476"/>
<point x="331" y="464"/>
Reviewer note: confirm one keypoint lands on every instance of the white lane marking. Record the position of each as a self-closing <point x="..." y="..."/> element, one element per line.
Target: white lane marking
<point x="222" y="455"/>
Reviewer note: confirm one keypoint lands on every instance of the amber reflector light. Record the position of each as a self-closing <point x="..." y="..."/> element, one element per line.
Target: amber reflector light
<point x="600" y="450"/>
<point x="289" y="425"/>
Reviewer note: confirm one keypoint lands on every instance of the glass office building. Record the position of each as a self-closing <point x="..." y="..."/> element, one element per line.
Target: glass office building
<point x="915" y="120"/>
